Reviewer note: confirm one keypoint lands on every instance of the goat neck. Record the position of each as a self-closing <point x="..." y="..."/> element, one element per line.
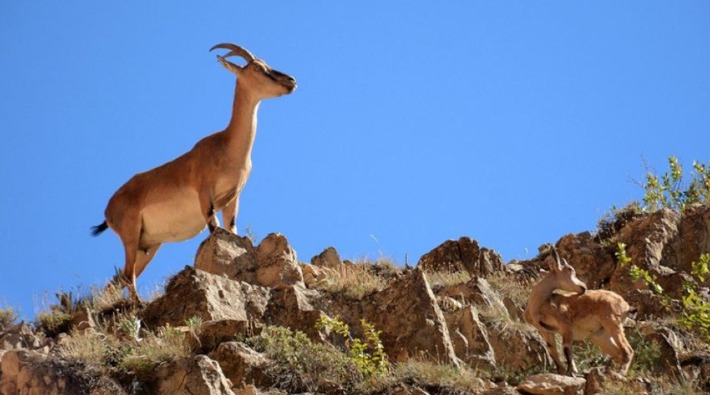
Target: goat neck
<point x="241" y="131"/>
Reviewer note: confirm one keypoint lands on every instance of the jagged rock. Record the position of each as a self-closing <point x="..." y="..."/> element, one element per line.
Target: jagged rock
<point x="242" y="365"/>
<point x="603" y="381"/>
<point x="20" y="336"/>
<point x="198" y="375"/>
<point x="31" y="373"/>
<point x="552" y="384"/>
<point x="470" y="338"/>
<point x="593" y="264"/>
<point x="277" y="263"/>
<point x="693" y="239"/>
<point x="463" y="254"/>
<point x="646" y="238"/>
<point x="404" y="389"/>
<point x="223" y="252"/>
<point x="411" y="321"/>
<point x="290" y="306"/>
<point x="193" y="292"/>
<point x="329" y="258"/>
<point x="270" y="264"/>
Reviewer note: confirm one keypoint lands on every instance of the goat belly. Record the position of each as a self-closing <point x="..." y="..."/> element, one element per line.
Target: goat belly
<point x="175" y="220"/>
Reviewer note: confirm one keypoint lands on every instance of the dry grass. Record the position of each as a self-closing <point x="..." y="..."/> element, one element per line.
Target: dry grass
<point x="356" y="280"/>
<point x="445" y="279"/>
<point x="7" y="318"/>
<point x="432" y="374"/>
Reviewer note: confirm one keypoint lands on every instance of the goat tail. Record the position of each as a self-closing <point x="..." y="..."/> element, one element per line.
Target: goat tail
<point x="98" y="229"/>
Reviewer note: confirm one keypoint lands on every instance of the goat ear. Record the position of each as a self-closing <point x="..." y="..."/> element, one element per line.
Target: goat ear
<point x="229" y="65"/>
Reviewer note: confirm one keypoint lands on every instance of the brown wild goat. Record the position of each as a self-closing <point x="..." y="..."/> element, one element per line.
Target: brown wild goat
<point x="175" y="201"/>
<point x="594" y="314"/>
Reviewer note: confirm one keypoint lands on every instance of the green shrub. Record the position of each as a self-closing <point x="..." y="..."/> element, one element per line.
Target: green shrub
<point x="368" y="356"/>
<point x="300" y="364"/>
<point x="669" y="190"/>
<point x="696" y="311"/>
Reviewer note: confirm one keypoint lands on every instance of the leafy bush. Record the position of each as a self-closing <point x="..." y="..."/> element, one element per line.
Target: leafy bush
<point x="696" y="311"/>
<point x="301" y="364"/>
<point x="669" y="190"/>
<point x="368" y="356"/>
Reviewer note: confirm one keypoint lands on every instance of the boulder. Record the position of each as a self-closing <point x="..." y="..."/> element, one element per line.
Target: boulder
<point x="270" y="264"/>
<point x="193" y="292"/>
<point x="552" y="384"/>
<point x="197" y="375"/>
<point x="410" y="319"/>
<point x="463" y="254"/>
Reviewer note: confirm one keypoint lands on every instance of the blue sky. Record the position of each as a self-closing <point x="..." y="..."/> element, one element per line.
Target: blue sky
<point x="414" y="122"/>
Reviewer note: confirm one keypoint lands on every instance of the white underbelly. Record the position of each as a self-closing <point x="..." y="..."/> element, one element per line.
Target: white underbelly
<point x="176" y="219"/>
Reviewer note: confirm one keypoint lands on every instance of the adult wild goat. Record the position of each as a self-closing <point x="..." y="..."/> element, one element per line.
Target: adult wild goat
<point x="594" y="314"/>
<point x="176" y="200"/>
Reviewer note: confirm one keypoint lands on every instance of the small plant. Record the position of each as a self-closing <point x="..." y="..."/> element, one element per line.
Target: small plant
<point x="621" y="255"/>
<point x="670" y="191"/>
<point x="7" y="318"/>
<point x="696" y="311"/>
<point x="637" y="273"/>
<point x="141" y="357"/>
<point x="368" y="356"/>
<point x="54" y="322"/>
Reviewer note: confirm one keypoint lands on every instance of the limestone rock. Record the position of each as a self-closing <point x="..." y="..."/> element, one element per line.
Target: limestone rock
<point x="552" y="384"/>
<point x="193" y="292"/>
<point x="411" y="321"/>
<point x="517" y="347"/>
<point x="463" y="254"/>
<point x="198" y="375"/>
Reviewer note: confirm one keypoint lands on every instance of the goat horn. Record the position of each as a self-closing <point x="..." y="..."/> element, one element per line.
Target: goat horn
<point x="558" y="262"/>
<point x="235" y="50"/>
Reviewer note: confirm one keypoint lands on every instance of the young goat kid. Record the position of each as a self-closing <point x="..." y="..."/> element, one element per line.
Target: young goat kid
<point x="594" y="314"/>
<point x="175" y="201"/>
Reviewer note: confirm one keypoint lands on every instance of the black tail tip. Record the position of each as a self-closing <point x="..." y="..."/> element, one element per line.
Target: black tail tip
<point x="98" y="229"/>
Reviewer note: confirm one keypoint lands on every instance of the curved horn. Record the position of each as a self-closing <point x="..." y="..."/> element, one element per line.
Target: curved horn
<point x="235" y="50"/>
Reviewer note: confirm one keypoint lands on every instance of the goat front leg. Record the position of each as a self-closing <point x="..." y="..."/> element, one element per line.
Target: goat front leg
<point x="229" y="214"/>
<point x="207" y="208"/>
<point x="567" y="340"/>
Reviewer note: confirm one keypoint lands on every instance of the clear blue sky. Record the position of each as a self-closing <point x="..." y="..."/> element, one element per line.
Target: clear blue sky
<point x="414" y="122"/>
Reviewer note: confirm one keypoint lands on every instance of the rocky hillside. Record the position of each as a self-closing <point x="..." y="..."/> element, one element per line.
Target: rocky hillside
<point x="252" y="319"/>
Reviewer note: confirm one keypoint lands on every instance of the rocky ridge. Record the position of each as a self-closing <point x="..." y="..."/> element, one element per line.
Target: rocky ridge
<point x="460" y="309"/>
